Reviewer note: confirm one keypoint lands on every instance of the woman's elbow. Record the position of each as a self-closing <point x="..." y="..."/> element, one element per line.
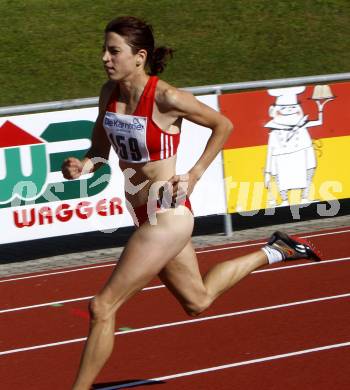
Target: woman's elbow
<point x="228" y="126"/>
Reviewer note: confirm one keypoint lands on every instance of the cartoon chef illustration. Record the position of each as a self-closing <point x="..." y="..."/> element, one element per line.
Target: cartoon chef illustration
<point x="291" y="158"/>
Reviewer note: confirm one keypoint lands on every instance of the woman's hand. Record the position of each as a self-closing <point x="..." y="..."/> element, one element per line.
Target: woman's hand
<point x="177" y="189"/>
<point x="72" y="168"/>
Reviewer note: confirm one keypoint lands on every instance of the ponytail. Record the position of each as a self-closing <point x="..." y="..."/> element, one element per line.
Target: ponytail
<point x="159" y="58"/>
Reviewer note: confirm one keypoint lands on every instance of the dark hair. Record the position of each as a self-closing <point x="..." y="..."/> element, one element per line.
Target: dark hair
<point x="139" y="35"/>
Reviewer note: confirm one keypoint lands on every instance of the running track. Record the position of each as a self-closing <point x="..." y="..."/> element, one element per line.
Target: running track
<point x="283" y="327"/>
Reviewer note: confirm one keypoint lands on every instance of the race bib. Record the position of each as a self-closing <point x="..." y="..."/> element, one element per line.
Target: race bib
<point x="127" y="134"/>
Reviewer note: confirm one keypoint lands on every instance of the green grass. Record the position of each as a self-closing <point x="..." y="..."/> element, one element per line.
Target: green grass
<point x="51" y="49"/>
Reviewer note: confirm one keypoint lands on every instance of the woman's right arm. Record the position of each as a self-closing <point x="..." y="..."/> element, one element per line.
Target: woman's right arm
<point x="73" y="168"/>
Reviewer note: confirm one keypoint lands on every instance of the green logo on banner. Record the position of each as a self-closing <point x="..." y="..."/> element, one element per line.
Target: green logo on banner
<point x="18" y="185"/>
<point x="30" y="166"/>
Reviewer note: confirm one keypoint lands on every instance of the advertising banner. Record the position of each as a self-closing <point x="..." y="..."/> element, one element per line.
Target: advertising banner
<point x="37" y="202"/>
<point x="290" y="146"/>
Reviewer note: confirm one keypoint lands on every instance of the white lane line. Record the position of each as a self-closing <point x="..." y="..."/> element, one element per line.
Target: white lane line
<point x="263" y="242"/>
<point x="323" y="262"/>
<point x="113" y="264"/>
<point x="230" y="365"/>
<point x="326" y="234"/>
<point x="163" y="286"/>
<point x="198" y="252"/>
<point x="65" y="301"/>
<point x="44" y="305"/>
<point x="57" y="273"/>
<point x="186" y="322"/>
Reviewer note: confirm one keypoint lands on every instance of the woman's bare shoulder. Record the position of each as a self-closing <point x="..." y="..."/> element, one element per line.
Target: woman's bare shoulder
<point x="169" y="96"/>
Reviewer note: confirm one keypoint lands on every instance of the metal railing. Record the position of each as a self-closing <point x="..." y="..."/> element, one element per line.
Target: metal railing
<point x="206" y="89"/>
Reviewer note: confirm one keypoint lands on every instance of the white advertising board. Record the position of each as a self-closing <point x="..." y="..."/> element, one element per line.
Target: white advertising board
<point x="37" y="202"/>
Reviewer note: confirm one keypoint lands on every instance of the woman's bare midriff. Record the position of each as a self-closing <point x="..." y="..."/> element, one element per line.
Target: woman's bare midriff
<point x="143" y="181"/>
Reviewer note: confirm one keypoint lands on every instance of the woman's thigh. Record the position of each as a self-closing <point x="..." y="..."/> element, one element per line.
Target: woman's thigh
<point x="146" y="254"/>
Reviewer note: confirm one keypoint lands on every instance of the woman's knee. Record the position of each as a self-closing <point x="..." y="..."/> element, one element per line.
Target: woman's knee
<point x="198" y="306"/>
<point x="100" y="309"/>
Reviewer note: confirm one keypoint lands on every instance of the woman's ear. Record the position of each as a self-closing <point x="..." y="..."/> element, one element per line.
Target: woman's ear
<point x="141" y="57"/>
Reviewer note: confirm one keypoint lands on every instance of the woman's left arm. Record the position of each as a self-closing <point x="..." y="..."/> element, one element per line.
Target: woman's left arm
<point x="185" y="105"/>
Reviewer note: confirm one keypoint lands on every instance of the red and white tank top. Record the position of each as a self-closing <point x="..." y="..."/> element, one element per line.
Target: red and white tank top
<point x="136" y="138"/>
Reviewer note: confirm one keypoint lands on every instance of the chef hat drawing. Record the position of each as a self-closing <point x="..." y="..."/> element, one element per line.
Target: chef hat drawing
<point x="286" y="96"/>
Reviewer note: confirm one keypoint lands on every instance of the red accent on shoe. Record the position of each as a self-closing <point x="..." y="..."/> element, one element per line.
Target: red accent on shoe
<point x="317" y="252"/>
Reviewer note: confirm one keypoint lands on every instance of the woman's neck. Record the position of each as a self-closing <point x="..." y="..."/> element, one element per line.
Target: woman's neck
<point x="132" y="88"/>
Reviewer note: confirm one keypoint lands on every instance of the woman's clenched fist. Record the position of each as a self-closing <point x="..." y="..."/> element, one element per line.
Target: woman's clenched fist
<point x="72" y="168"/>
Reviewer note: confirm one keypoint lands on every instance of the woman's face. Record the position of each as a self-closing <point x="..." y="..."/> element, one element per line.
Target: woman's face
<point x="118" y="60"/>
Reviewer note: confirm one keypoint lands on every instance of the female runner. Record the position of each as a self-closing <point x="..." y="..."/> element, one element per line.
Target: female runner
<point x="140" y="116"/>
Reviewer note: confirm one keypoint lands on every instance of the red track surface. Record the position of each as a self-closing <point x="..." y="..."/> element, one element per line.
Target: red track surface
<point x="268" y="332"/>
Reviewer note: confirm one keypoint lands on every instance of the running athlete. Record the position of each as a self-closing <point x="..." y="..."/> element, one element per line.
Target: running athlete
<point x="140" y="116"/>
